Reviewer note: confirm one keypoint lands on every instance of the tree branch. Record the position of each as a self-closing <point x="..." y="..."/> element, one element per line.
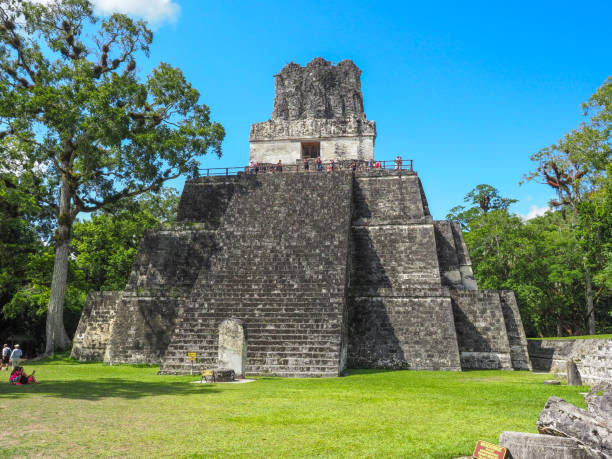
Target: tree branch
<point x="91" y="205"/>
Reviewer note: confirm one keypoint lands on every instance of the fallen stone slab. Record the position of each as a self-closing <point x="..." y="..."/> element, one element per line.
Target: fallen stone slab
<point x="599" y="400"/>
<point x="552" y="382"/>
<point x="529" y="446"/>
<point x="562" y="419"/>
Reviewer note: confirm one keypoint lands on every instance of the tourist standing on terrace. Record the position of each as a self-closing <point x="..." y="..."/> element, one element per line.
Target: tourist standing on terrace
<point x="306" y="165"/>
<point x="319" y="165"/>
<point x="398" y="162"/>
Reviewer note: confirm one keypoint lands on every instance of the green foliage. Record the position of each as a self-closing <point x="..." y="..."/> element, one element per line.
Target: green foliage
<point x="106" y="245"/>
<point x="85" y="408"/>
<point x="482" y="199"/>
<point x="104" y="248"/>
<point x="559" y="265"/>
<point x="542" y="261"/>
<point x="601" y="336"/>
<point x="72" y="104"/>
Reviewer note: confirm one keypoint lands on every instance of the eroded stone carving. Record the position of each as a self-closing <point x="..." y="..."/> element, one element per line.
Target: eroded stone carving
<point x="319" y="102"/>
<point x="318" y="90"/>
<point x="232" y="346"/>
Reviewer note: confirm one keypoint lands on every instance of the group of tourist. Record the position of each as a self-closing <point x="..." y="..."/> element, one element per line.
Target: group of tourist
<point x="18" y="375"/>
<point x="330" y="166"/>
<point x="256" y="168"/>
<point x="12" y="356"/>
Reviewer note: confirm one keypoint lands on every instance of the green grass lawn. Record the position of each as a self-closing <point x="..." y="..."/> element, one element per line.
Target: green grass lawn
<point x="608" y="336"/>
<point x="91" y="410"/>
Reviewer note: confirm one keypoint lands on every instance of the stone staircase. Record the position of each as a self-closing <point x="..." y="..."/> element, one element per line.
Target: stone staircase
<point x="278" y="272"/>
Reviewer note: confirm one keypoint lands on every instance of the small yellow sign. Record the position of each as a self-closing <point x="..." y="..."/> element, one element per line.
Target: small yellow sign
<point x="191" y="355"/>
<point x="486" y="450"/>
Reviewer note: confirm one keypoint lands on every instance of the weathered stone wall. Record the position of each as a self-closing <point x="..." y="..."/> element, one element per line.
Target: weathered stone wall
<point x="515" y="331"/>
<point x="481" y="331"/>
<point x="93" y="332"/>
<point x="455" y="264"/>
<point x="281" y="270"/>
<point x="592" y="356"/>
<point x="400" y="317"/>
<point x="164" y="271"/>
<point x="338" y="148"/>
<point x="402" y="333"/>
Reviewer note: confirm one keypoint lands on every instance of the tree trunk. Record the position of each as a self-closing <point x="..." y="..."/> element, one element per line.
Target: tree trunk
<point x="57" y="339"/>
<point x="589" y="301"/>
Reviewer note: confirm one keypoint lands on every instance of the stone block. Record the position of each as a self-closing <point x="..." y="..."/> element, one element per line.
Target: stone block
<point x="562" y="419"/>
<point x="522" y="445"/>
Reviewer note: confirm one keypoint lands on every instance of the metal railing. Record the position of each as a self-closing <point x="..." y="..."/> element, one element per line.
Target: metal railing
<point x="311" y="165"/>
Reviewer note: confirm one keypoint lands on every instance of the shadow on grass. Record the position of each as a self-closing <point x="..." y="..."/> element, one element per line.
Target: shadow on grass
<point x="372" y="371"/>
<point x="106" y="387"/>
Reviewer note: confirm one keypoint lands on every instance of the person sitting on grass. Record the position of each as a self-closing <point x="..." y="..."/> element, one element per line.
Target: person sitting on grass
<point x="31" y="378"/>
<point x="20" y="378"/>
<point x="15" y="377"/>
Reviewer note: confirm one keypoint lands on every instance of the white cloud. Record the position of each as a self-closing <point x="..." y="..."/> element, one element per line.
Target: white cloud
<point x="154" y="11"/>
<point x="535" y="211"/>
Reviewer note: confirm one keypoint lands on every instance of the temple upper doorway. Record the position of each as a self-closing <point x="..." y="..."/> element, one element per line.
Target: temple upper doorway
<point x="311" y="150"/>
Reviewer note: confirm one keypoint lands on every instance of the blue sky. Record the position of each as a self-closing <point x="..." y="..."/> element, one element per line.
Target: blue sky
<point x="467" y="90"/>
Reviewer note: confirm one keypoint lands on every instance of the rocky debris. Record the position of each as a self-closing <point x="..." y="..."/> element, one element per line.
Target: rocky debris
<point x="552" y="382"/>
<point x="529" y="446"/>
<point x="224" y="375"/>
<point x="568" y="432"/>
<point x="562" y="419"/>
<point x="599" y="400"/>
<point x="573" y="375"/>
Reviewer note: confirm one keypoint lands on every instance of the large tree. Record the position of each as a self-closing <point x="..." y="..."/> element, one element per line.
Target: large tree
<point x="575" y="168"/>
<point x="480" y="200"/>
<point x="71" y="101"/>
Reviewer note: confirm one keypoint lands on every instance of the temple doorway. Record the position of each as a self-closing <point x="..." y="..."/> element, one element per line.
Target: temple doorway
<point x="311" y="150"/>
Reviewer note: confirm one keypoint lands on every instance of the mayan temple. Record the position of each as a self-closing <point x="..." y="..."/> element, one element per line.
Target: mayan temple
<point x="321" y="271"/>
